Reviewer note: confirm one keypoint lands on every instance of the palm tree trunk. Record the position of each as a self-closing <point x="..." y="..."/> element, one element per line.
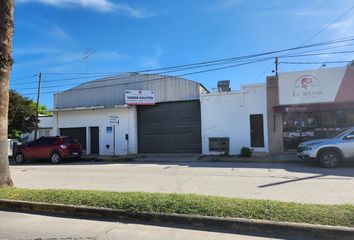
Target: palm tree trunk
<point x="6" y="30"/>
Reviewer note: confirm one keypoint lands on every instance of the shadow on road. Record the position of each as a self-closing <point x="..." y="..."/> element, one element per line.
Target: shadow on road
<point x="345" y="170"/>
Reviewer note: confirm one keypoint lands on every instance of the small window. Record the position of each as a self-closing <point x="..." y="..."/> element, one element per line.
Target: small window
<point x="109" y="129"/>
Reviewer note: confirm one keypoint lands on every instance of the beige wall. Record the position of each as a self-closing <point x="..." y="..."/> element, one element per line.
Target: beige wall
<point x="275" y="121"/>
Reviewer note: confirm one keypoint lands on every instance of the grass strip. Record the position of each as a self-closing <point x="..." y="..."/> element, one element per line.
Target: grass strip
<point x="192" y="204"/>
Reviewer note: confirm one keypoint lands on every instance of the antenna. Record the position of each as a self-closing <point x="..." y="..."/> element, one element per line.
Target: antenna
<point x="85" y="57"/>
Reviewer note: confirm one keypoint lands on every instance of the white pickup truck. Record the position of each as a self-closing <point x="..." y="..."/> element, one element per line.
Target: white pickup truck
<point x="11" y="144"/>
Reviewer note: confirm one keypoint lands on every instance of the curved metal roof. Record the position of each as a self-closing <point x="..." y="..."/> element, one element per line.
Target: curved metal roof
<point x="110" y="91"/>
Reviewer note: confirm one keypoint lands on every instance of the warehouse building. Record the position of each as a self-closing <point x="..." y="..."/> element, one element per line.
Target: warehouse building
<point x="133" y="113"/>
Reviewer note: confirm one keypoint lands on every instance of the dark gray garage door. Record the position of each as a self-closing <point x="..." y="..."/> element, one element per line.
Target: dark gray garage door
<point x="78" y="133"/>
<point x="169" y="128"/>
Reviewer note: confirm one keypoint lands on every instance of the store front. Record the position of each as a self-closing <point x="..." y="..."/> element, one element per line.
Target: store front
<point x="307" y="105"/>
<point x="308" y="122"/>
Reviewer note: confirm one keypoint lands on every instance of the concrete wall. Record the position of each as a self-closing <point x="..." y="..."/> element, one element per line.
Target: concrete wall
<point x="101" y="118"/>
<point x="275" y="120"/>
<point x="228" y="115"/>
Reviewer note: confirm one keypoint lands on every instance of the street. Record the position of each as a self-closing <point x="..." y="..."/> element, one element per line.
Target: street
<point x="293" y="182"/>
<point x="28" y="226"/>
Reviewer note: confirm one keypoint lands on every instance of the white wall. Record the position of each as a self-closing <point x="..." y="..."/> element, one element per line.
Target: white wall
<point x="228" y="115"/>
<point x="100" y="117"/>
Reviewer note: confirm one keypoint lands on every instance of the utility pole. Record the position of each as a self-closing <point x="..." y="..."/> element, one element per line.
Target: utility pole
<point x="37" y="106"/>
<point x="276" y="66"/>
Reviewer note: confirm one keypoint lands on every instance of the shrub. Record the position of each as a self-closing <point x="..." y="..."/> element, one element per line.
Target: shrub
<point x="246" y="152"/>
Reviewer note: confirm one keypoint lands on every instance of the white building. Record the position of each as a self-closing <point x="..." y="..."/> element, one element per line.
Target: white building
<point x="96" y="132"/>
<point x="232" y="120"/>
<point x="45" y="128"/>
<point x="102" y="118"/>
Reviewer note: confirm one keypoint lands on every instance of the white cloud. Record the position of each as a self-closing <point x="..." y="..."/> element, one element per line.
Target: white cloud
<point x="99" y="5"/>
<point x="59" y="57"/>
<point x="343" y="28"/>
<point x="20" y="51"/>
<point x="152" y="61"/>
<point x="58" y="33"/>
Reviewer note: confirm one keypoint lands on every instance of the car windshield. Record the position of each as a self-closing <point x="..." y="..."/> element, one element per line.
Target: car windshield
<point x="70" y="141"/>
<point x="338" y="134"/>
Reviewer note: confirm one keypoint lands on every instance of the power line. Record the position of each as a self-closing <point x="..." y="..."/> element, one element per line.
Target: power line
<point x="325" y="62"/>
<point x="73" y="84"/>
<point x="80" y="73"/>
<point x="241" y="61"/>
<point x="61" y="79"/>
<point x="25" y="77"/>
<point x="159" y="78"/>
<point x="208" y="70"/>
<point x="187" y="67"/>
<point x="317" y="54"/>
<point x="340" y="40"/>
<point x="321" y="49"/>
<point x="329" y="25"/>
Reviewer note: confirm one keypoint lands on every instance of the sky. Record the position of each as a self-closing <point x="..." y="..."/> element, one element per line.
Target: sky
<point x="55" y="36"/>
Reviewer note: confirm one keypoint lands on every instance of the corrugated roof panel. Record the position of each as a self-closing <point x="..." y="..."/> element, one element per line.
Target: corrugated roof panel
<point x="110" y="91"/>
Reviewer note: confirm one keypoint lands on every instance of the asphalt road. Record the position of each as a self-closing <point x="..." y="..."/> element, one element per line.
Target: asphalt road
<point x="278" y="181"/>
<point x="36" y="227"/>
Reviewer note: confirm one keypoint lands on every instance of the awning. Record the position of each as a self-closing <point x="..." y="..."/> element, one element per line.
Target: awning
<point x="318" y="107"/>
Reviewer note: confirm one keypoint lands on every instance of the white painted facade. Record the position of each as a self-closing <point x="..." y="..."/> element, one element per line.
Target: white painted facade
<point x="100" y="117"/>
<point x="227" y="114"/>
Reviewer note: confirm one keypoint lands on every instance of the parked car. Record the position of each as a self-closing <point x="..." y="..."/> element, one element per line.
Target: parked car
<point x="12" y="143"/>
<point x="329" y="152"/>
<point x="54" y="148"/>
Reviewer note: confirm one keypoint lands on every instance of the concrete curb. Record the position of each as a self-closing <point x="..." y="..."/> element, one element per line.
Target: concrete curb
<point x="234" y="225"/>
<point x="130" y="159"/>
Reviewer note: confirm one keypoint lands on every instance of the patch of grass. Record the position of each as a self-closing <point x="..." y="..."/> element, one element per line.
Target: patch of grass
<point x="192" y="204"/>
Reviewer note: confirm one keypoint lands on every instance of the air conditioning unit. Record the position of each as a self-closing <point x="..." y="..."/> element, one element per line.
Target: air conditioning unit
<point x="224" y="86"/>
<point x="219" y="144"/>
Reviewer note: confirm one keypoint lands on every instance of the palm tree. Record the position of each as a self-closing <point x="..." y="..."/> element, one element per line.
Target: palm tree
<point x="6" y="30"/>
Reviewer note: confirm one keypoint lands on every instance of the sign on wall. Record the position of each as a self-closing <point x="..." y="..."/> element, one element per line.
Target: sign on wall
<point x="317" y="86"/>
<point x="140" y="97"/>
<point x="113" y="119"/>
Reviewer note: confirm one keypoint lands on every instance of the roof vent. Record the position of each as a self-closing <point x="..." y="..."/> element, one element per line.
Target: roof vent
<point x="224" y="86"/>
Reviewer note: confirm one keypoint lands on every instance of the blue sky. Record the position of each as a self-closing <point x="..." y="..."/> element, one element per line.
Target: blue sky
<point x="51" y="36"/>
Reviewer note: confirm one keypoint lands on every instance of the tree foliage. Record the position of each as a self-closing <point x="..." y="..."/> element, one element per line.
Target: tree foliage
<point x="22" y="114"/>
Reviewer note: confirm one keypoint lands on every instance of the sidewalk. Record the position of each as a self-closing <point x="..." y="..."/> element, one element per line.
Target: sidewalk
<point x="186" y="157"/>
<point x="59" y="228"/>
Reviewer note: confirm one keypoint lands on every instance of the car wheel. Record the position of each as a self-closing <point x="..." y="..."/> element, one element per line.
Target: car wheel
<point x="19" y="158"/>
<point x="329" y="159"/>
<point x="55" y="158"/>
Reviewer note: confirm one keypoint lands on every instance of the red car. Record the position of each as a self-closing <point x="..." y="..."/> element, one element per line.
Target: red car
<point x="53" y="148"/>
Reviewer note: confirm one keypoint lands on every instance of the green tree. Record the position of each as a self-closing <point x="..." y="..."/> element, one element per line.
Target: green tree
<point x="22" y="114"/>
<point x="42" y="109"/>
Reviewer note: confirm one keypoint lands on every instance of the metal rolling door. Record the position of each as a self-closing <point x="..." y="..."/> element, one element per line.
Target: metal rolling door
<point x="170" y="128"/>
